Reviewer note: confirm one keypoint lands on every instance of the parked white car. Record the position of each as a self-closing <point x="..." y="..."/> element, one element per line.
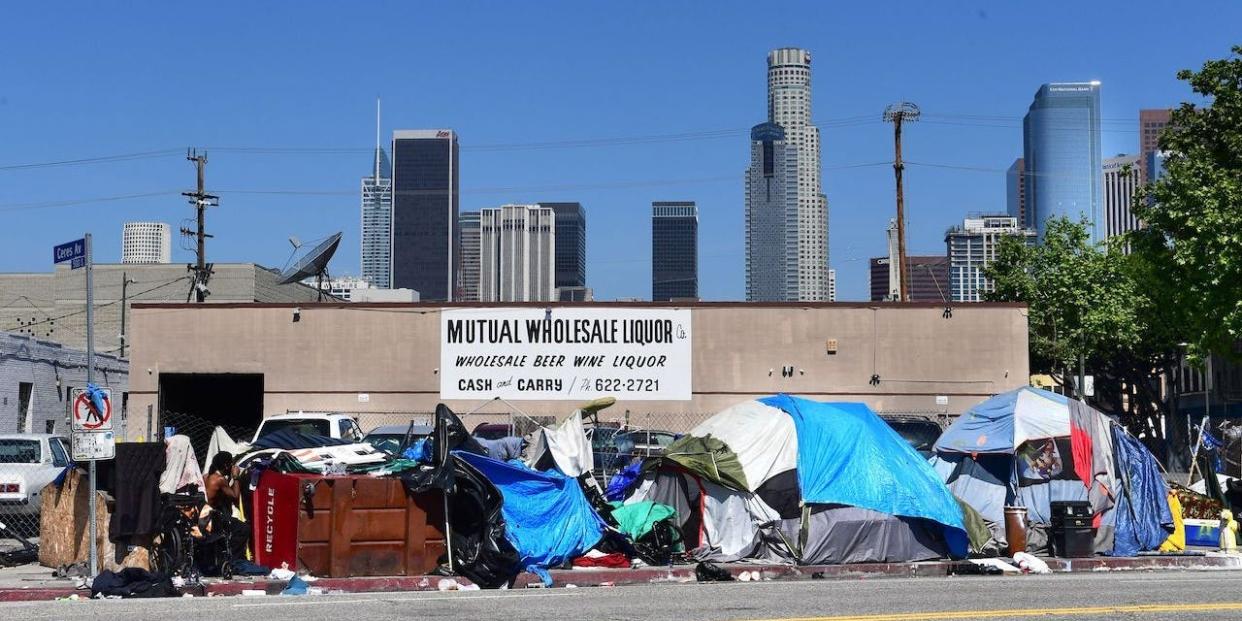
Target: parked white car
<point x="28" y="462"/>
<point x="335" y="426"/>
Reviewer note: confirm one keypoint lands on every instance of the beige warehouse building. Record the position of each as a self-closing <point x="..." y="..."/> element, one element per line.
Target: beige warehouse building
<point x="232" y="363"/>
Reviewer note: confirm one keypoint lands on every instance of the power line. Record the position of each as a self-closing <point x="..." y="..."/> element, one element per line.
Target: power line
<point x="82" y="201"/>
<point x="123" y="157"/>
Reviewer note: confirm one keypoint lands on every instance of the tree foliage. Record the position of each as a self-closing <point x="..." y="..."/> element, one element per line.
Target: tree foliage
<point x="1193" y="213"/>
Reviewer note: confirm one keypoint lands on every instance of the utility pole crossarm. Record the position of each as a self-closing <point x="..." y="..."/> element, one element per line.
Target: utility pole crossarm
<point x="201" y="200"/>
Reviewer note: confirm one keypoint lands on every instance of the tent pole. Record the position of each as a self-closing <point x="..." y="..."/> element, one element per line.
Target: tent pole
<point x="448" y="532"/>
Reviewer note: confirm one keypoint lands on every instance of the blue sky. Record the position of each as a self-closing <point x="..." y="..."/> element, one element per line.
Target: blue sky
<point x="94" y="79"/>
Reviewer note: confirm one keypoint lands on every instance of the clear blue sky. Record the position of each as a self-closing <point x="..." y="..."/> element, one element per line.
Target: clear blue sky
<point x="98" y="79"/>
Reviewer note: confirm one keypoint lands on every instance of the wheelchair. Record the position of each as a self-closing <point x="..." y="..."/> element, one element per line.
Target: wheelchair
<point x="190" y="547"/>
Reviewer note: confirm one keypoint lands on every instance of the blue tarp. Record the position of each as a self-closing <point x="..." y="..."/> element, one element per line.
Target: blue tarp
<point x="547" y="517"/>
<point x="1142" y="512"/>
<point x="988" y="427"/>
<point x="847" y="455"/>
<point x="622" y="481"/>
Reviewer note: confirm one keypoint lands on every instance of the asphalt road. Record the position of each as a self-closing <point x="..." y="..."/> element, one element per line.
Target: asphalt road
<point x="1140" y="596"/>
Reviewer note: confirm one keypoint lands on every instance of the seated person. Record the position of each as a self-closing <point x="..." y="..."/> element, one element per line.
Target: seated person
<point x="223" y="492"/>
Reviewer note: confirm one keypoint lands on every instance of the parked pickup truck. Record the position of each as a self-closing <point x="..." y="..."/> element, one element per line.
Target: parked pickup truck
<point x="336" y="426"/>
<point x="28" y="462"/>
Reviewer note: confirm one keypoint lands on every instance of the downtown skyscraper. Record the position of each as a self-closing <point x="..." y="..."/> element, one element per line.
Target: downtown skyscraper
<point x="517" y="254"/>
<point x="674" y="251"/>
<point x="799" y="270"/>
<point x="1061" y="154"/>
<point x="425" y="199"/>
<point x="377" y="217"/>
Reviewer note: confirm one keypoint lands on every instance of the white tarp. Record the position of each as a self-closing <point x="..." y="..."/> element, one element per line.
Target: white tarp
<point x="1036" y="417"/>
<point x="570" y="448"/>
<point x="763" y="438"/>
<point x="222" y="441"/>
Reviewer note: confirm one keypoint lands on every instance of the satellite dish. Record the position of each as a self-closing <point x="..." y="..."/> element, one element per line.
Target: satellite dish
<point x="313" y="263"/>
<point x="295" y="242"/>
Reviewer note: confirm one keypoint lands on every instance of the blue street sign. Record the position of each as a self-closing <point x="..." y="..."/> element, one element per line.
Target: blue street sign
<point x="74" y="252"/>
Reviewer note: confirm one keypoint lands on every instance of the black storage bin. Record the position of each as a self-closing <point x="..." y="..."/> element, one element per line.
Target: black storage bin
<point x="1072" y="534"/>
<point x="1073" y="542"/>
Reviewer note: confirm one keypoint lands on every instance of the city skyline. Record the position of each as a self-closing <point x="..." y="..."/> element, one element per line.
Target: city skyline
<point x="279" y="173"/>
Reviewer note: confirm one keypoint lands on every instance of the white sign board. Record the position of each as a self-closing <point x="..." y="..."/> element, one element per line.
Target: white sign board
<point x="92" y="445"/>
<point x="84" y="416"/>
<point x="565" y="354"/>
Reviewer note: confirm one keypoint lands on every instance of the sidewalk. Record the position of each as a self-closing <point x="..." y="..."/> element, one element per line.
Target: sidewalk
<point x="32" y="582"/>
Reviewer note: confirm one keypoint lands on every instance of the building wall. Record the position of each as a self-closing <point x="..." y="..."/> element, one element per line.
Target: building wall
<point x="469" y="266"/>
<point x="52" y="305"/>
<point x="1151" y="123"/>
<point x="1061" y="144"/>
<point x="771" y="216"/>
<point x="376" y="247"/>
<point x="391" y="353"/>
<point x="972" y="247"/>
<point x="929" y="278"/>
<point x="674" y="250"/>
<point x="425" y="173"/>
<point x="570" y="243"/>
<point x="1121" y="181"/>
<point x="52" y="370"/>
<point x="517" y="254"/>
<point x="1015" y="191"/>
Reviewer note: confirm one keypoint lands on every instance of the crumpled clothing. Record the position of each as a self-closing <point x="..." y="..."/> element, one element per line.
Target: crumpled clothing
<point x="132" y="582"/>
<point x="180" y="466"/>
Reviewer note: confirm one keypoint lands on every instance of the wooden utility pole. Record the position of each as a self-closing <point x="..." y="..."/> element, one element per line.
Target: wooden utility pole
<point x="897" y="114"/>
<point x="201" y="201"/>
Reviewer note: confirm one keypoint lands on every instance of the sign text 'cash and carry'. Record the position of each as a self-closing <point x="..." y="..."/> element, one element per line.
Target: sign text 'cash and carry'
<point x="565" y="353"/>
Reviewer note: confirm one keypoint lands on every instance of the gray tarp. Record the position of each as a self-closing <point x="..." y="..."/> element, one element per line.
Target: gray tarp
<point x="843" y="534"/>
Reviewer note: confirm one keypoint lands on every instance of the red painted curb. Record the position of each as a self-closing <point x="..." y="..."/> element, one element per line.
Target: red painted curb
<point x="681" y="573"/>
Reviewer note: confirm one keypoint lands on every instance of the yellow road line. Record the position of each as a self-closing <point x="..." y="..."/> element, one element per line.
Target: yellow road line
<point x="1026" y="612"/>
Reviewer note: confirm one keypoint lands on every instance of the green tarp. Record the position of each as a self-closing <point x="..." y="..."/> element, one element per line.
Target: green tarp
<point x="635" y="520"/>
<point x="709" y="458"/>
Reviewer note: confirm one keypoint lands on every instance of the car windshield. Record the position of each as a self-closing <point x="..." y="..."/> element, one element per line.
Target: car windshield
<point x="19" y="451"/>
<point x="492" y="433"/>
<point x="387" y="442"/>
<point x="921" y="435"/>
<point x="317" y="427"/>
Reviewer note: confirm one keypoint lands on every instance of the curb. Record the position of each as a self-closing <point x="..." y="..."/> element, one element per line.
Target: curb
<point x="599" y="577"/>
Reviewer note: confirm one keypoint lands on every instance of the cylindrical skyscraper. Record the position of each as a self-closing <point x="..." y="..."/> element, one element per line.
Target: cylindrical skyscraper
<point x="789" y="105"/>
<point x="146" y="242"/>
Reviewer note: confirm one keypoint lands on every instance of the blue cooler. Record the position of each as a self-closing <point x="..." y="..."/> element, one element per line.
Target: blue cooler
<point x="1202" y="533"/>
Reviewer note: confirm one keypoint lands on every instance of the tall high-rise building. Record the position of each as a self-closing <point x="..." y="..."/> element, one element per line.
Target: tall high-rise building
<point x="789" y="106"/>
<point x="1151" y="123"/>
<point x="570" y="244"/>
<point x="674" y="250"/>
<point x="146" y="242"/>
<point x="1121" y="180"/>
<point x="517" y="254"/>
<point x="929" y="278"/>
<point x="771" y="216"/>
<point x="832" y="285"/>
<point x="1015" y="191"/>
<point x="376" y="189"/>
<point x="424" y="212"/>
<point x="470" y="264"/>
<point x="972" y="247"/>
<point x="1061" y="144"/>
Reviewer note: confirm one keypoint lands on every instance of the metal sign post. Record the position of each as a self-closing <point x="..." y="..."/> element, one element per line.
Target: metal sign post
<point x="78" y="254"/>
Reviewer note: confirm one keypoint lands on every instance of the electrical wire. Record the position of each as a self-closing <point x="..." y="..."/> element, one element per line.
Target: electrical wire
<point x="99" y="306"/>
<point x="83" y="201"/>
<point x="124" y="157"/>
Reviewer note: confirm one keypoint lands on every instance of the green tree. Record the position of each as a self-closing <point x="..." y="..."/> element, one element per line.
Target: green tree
<point x="1192" y="240"/>
<point x="1095" y="302"/>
